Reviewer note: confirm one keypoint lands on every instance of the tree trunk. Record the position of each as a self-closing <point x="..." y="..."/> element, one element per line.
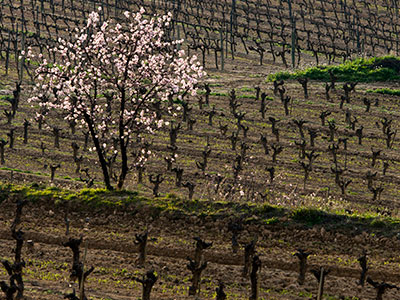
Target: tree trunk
<point x="102" y="160"/>
<point x="123" y="144"/>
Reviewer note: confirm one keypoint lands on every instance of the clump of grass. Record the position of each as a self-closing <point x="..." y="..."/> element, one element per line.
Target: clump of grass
<point x="219" y="94"/>
<point x="16" y="170"/>
<point x="247" y="89"/>
<point x="247" y="97"/>
<point x="361" y="70"/>
<point x="255" y="75"/>
<point x="384" y="91"/>
<point x="215" y="85"/>
<point x="5" y="100"/>
<point x="6" y="97"/>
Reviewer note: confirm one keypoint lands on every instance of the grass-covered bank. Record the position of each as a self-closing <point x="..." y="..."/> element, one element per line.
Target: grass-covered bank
<point x="173" y="207"/>
<point x="386" y="68"/>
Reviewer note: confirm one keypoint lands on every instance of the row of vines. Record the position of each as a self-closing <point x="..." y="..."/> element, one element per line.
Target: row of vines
<point x="322" y="28"/>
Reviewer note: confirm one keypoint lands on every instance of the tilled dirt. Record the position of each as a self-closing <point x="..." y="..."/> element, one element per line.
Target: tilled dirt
<point x="111" y="250"/>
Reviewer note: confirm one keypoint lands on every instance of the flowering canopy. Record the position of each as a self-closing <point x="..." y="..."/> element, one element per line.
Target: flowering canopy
<point x="109" y="78"/>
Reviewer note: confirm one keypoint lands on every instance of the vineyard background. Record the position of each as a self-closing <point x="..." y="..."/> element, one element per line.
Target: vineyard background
<point x="242" y="156"/>
<point x="334" y="30"/>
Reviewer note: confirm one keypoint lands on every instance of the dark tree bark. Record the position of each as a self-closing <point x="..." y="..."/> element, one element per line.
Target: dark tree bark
<point x="15" y="270"/>
<point x="147" y="282"/>
<point x="221" y="295"/>
<point x="249" y="252"/>
<point x="254" y="278"/>
<point x="3" y="144"/>
<point x="10" y="135"/>
<point x="156" y="181"/>
<point x="100" y="154"/>
<point x="141" y="241"/>
<point x="26" y="125"/>
<point x="380" y="287"/>
<point x="364" y="268"/>
<point x="197" y="265"/>
<point x="302" y="256"/>
<point x="77" y="270"/>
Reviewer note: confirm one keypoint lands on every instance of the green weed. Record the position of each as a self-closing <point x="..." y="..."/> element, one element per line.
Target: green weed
<point x="247" y="89"/>
<point x="247" y="97"/>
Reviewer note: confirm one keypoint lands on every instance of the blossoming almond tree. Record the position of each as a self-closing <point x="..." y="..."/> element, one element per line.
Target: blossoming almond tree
<point x="109" y="79"/>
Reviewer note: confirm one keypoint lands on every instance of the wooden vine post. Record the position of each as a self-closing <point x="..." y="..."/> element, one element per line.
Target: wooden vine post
<point x="232" y="21"/>
<point x="222" y="49"/>
<point x="320" y="276"/>
<point x="21" y="57"/>
<point x="396" y="22"/>
<point x="8" y="52"/>
<point x="321" y="285"/>
<point x="293" y="23"/>
<point x="82" y="279"/>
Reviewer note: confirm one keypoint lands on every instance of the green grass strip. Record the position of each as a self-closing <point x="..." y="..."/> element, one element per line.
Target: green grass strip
<point x="384" y="91"/>
<point x="385" y="68"/>
<point x="174" y="207"/>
